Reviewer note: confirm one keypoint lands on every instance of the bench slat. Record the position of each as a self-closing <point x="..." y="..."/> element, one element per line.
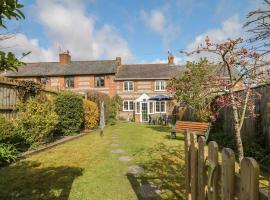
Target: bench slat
<point x="199" y="128"/>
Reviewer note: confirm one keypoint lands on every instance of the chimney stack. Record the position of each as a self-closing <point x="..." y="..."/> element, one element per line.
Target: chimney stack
<point x="118" y="60"/>
<point x="170" y="58"/>
<point x="64" y="57"/>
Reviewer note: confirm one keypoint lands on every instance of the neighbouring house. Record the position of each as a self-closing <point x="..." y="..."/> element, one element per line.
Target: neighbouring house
<point x="134" y="83"/>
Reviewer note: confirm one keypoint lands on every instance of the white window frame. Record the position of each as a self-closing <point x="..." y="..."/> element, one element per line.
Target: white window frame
<point x="129" y="102"/>
<point x="153" y="107"/>
<point x="165" y="107"/>
<point x="158" y="85"/>
<point x="129" y="84"/>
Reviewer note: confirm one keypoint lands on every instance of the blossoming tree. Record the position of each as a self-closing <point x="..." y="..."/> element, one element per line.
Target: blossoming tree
<point x="235" y="69"/>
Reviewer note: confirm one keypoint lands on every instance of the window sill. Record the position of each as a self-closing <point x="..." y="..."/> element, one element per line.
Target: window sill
<point x="160" y="90"/>
<point x="128" y="110"/>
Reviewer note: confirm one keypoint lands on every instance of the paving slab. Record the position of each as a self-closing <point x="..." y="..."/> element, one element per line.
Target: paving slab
<point x="125" y="158"/>
<point x="135" y="169"/>
<point x="118" y="151"/>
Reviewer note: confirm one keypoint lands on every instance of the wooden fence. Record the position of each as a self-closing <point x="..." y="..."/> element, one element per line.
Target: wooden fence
<point x="9" y="96"/>
<point x="212" y="176"/>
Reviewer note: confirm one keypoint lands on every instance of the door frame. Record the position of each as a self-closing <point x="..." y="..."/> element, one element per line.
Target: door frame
<point x="147" y="110"/>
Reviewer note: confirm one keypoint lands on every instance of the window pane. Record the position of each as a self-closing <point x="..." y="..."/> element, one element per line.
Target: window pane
<point x="125" y="105"/>
<point x="157" y="106"/>
<point x="162" y="86"/>
<point x="130" y="85"/>
<point x="69" y="82"/>
<point x="126" y="86"/>
<point x="157" y="85"/>
<point x="100" y="81"/>
<point x="162" y="106"/>
<point x="138" y="107"/>
<point x="131" y="105"/>
<point x="151" y="105"/>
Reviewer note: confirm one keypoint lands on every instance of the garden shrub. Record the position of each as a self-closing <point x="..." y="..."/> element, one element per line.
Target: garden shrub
<point x="223" y="139"/>
<point x="69" y="107"/>
<point x="36" y="121"/>
<point x="255" y="150"/>
<point x="91" y="114"/>
<point x="113" y="109"/>
<point x="8" y="154"/>
<point x="98" y="97"/>
<point x="6" y="130"/>
<point x="251" y="148"/>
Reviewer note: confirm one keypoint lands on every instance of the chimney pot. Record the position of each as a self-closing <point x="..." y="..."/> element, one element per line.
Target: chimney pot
<point x="170" y="58"/>
<point x="64" y="58"/>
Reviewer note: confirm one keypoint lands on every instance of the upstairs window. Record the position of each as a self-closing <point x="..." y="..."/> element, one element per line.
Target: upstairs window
<point x="69" y="82"/>
<point x="160" y="85"/>
<point x="99" y="81"/>
<point x="42" y="80"/>
<point x="128" y="86"/>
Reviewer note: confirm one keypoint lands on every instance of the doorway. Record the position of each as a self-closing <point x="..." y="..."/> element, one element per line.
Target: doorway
<point x="144" y="111"/>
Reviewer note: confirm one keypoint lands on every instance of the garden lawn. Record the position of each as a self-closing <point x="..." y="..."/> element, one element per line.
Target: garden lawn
<point x="87" y="169"/>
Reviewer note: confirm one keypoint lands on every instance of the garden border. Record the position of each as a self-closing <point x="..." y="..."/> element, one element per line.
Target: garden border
<point x="54" y="144"/>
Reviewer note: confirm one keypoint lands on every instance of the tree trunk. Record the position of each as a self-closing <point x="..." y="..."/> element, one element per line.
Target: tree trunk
<point x="237" y="130"/>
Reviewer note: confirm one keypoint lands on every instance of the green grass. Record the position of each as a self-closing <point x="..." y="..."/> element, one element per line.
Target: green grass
<point x="86" y="169"/>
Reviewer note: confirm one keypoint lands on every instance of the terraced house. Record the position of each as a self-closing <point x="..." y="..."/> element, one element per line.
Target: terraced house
<point x="134" y="83"/>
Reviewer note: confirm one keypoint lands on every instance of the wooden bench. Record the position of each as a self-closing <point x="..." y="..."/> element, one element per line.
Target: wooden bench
<point x="198" y="128"/>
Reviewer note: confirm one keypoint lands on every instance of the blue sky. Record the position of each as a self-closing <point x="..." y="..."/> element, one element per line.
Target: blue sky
<point x="138" y="31"/>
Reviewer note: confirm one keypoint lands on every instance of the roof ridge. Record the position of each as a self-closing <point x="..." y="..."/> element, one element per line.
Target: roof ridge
<point x="72" y="61"/>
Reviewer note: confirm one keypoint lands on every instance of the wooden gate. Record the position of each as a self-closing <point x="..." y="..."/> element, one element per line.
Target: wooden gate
<point x="211" y="175"/>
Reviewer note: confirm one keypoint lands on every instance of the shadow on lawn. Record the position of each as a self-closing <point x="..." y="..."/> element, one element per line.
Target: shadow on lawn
<point x="165" y="170"/>
<point x="160" y="128"/>
<point x="167" y="129"/>
<point x="28" y="180"/>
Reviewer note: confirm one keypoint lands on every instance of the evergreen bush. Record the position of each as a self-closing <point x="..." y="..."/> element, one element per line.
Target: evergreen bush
<point x="6" y="130"/>
<point x="36" y="121"/>
<point x="69" y="107"/>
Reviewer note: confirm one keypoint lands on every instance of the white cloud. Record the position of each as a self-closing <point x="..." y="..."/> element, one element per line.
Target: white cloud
<point x="157" y="22"/>
<point x="230" y="28"/>
<point x="68" y="27"/>
<point x="19" y="44"/>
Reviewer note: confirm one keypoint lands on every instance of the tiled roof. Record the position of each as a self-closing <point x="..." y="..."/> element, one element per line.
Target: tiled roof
<point x="73" y="68"/>
<point x="149" y="71"/>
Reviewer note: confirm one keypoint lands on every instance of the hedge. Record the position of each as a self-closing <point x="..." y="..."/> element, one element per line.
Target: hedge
<point x="69" y="107"/>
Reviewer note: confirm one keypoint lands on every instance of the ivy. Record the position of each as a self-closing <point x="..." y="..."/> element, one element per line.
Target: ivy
<point x="27" y="89"/>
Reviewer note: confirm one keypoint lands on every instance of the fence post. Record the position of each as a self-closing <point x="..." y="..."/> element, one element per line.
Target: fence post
<point x="269" y="189"/>
<point x="213" y="171"/>
<point x="227" y="174"/>
<point x="249" y="179"/>
<point x="187" y="164"/>
<point x="193" y="166"/>
<point x="201" y="168"/>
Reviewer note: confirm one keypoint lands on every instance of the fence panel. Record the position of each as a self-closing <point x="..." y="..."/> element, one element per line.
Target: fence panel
<point x="9" y="96"/>
<point x="187" y="163"/>
<point x="194" y="166"/>
<point x="227" y="174"/>
<point x="212" y="171"/>
<point x="222" y="180"/>
<point x="201" y="168"/>
<point x="249" y="183"/>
